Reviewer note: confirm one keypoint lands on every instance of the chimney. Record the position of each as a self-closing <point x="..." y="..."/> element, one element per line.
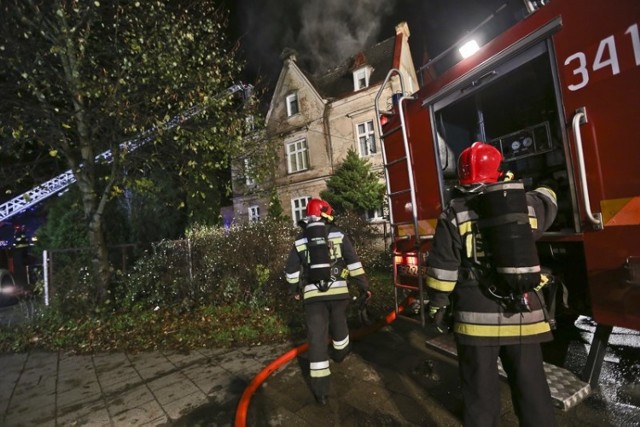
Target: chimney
<point x="288" y="54"/>
<point x="403" y="28"/>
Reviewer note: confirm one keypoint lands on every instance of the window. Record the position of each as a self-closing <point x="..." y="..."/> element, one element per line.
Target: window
<point x="361" y="78"/>
<point x="292" y="104"/>
<point x="297" y="156"/>
<point x="248" y="172"/>
<point x="376" y="214"/>
<point x="249" y="123"/>
<point x="254" y="213"/>
<point x="299" y="208"/>
<point x="366" y="138"/>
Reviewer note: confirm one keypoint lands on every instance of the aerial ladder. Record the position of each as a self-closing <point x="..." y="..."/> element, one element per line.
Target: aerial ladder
<point x="59" y="183"/>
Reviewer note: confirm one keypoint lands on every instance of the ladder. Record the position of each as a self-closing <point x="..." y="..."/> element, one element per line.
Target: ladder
<point x="388" y="138"/>
<point x="57" y="184"/>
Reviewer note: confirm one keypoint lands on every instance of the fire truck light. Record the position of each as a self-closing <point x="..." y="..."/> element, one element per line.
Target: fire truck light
<point x="408" y="207"/>
<point x="469" y="48"/>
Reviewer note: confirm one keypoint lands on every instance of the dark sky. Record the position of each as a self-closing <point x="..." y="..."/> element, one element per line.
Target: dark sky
<point x="324" y="32"/>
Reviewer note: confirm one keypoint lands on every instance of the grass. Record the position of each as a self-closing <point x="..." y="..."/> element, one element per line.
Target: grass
<point x="178" y="329"/>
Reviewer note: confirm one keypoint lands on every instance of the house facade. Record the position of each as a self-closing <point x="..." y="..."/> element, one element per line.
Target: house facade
<point x="316" y="119"/>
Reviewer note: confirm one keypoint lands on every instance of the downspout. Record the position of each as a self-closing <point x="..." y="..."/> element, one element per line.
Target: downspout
<point x="327" y="133"/>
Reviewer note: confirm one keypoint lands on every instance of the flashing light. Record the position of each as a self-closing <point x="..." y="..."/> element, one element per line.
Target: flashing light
<point x="469" y="48"/>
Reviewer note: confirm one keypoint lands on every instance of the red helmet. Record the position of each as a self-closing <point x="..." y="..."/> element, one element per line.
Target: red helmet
<point x="319" y="208"/>
<point x="478" y="164"/>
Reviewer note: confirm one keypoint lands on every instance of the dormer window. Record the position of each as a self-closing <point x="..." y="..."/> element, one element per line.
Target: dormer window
<point x="361" y="78"/>
<point x="292" y="104"/>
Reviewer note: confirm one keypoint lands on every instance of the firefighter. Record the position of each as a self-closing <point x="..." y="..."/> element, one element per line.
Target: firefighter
<point x="20" y="255"/>
<point x="319" y="263"/>
<point x="485" y="327"/>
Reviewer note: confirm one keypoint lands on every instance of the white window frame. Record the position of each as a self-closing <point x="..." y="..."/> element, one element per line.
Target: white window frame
<point x="361" y="78"/>
<point x="249" y="123"/>
<point x="297" y="156"/>
<point x="292" y="100"/>
<point x="248" y="179"/>
<point x="375" y="215"/>
<point x="299" y="208"/>
<point x="254" y="213"/>
<point x="366" y="135"/>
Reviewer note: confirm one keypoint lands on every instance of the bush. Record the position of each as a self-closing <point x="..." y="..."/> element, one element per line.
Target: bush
<point x="218" y="287"/>
<point x="214" y="266"/>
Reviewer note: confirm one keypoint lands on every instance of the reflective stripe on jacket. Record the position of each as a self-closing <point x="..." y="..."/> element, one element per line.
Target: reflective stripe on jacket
<point x="480" y="319"/>
<point x="344" y="260"/>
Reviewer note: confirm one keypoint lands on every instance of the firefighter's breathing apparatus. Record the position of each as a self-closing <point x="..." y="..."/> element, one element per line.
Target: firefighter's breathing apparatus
<point x="322" y="268"/>
<point x="503" y="221"/>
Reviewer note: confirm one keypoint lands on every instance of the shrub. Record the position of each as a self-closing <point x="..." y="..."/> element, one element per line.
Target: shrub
<point x="214" y="266"/>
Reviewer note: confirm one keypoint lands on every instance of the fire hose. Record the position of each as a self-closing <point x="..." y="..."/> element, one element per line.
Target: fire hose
<point x="245" y="399"/>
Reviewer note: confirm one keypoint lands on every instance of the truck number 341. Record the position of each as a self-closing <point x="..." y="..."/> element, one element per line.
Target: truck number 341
<point x="606" y="56"/>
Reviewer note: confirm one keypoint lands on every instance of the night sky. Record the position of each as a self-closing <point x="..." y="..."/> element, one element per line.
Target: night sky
<point x="324" y="32"/>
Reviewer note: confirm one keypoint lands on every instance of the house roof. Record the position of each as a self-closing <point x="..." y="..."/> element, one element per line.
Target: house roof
<point x="338" y="82"/>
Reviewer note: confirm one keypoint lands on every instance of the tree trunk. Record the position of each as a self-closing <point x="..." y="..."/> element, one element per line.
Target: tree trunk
<point x="99" y="257"/>
<point x="101" y="269"/>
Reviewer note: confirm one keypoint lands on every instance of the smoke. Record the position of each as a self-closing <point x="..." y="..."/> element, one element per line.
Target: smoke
<point x="325" y="32"/>
<point x="336" y="29"/>
<point x="321" y="32"/>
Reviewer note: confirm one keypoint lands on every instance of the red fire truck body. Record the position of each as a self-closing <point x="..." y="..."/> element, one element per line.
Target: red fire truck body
<point x="559" y="94"/>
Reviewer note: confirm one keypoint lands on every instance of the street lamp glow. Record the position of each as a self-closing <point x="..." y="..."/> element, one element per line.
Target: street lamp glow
<point x="469" y="48"/>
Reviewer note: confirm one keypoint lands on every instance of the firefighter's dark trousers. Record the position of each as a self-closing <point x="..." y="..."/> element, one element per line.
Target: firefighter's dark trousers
<point x="324" y="317"/>
<point x="479" y="375"/>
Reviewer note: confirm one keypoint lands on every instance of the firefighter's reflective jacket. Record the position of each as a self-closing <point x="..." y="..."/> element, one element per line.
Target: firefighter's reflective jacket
<point x="344" y="263"/>
<point x="479" y="318"/>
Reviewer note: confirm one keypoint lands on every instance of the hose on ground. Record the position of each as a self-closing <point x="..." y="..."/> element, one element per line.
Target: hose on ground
<point x="245" y="399"/>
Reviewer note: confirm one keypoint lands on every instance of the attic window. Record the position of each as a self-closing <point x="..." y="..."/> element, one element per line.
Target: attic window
<point x="292" y="104"/>
<point x="361" y="78"/>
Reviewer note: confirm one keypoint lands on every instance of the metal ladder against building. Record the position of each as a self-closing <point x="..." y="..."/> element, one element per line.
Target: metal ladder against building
<point x="57" y="184"/>
<point x="391" y="195"/>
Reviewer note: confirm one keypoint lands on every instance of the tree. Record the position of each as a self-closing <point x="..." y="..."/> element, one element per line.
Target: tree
<point x="81" y="77"/>
<point x="354" y="187"/>
<point x="275" y="210"/>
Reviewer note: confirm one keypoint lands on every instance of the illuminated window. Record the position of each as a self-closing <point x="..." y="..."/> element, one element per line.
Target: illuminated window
<point x="297" y="156"/>
<point x="366" y="138"/>
<point x="292" y="104"/>
<point x="299" y="208"/>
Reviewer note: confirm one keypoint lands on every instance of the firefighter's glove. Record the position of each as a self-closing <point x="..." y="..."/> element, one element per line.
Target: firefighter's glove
<point x="436" y="318"/>
<point x="365" y="297"/>
<point x="294" y="292"/>
<point x="363" y="313"/>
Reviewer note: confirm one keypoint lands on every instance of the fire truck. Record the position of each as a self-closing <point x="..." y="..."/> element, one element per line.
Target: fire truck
<point x="558" y="93"/>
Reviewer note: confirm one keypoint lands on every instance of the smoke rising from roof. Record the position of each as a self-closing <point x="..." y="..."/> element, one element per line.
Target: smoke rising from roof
<point x="321" y="32"/>
<point x="336" y="29"/>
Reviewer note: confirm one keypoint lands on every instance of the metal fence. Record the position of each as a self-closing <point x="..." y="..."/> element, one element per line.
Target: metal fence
<point x="70" y="269"/>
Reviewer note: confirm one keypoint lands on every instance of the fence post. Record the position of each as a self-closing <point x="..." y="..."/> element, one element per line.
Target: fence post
<point x="190" y="263"/>
<point x="45" y="268"/>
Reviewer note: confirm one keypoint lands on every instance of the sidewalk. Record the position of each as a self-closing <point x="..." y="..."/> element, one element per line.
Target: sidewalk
<point x="391" y="379"/>
<point x="121" y="389"/>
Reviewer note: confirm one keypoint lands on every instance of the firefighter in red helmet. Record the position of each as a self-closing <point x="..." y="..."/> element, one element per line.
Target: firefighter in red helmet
<point x="319" y="263"/>
<point x="488" y="323"/>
